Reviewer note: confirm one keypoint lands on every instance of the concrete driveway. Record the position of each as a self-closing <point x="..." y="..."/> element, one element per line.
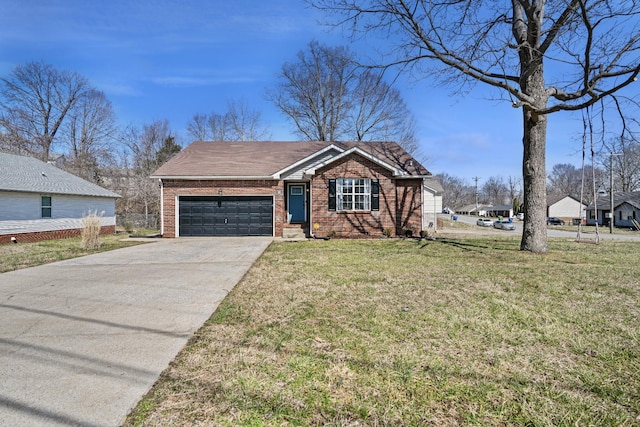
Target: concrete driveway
<point x="81" y="341"/>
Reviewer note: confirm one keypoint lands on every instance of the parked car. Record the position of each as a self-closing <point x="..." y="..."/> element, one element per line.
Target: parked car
<point x="484" y="222"/>
<point x="520" y="216"/>
<point x="504" y="225"/>
<point x="552" y="220"/>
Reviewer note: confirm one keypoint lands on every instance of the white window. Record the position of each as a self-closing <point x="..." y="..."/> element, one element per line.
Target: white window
<point x="353" y="194"/>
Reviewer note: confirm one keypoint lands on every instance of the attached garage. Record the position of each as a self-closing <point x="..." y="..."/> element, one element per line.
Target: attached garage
<point x="225" y="216"/>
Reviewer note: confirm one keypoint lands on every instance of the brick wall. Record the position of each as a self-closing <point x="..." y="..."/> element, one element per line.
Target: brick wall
<point x="173" y="188"/>
<point x="409" y="207"/>
<point x="400" y="207"/>
<point x="51" y="235"/>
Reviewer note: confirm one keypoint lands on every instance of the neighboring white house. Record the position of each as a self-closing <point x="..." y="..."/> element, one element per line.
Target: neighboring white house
<point x="626" y="209"/>
<point x="566" y="207"/>
<point x="38" y="201"/>
<point x="431" y="201"/>
<point x="472" y="210"/>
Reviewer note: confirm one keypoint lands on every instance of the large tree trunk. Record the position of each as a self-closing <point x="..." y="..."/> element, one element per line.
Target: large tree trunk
<point x="534" y="235"/>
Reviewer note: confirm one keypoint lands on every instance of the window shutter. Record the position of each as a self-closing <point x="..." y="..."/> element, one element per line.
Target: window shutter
<point x="332" y="194"/>
<point x="375" y="195"/>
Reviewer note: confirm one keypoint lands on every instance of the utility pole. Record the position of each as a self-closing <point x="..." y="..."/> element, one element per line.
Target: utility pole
<point x="611" y="209"/>
<point x="476" y="178"/>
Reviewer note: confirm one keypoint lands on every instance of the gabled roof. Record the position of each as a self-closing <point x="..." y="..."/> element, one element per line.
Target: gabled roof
<point x="29" y="175"/>
<point x="434" y="184"/>
<point x="552" y="200"/>
<point x="268" y="160"/>
<point x="620" y="197"/>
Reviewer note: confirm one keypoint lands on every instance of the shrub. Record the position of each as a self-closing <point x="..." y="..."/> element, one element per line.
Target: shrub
<point x="91" y="230"/>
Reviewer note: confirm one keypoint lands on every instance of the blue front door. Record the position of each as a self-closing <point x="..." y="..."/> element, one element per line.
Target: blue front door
<point x="297" y="211"/>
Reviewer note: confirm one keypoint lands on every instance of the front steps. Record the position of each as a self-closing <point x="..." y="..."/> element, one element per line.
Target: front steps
<point x="294" y="234"/>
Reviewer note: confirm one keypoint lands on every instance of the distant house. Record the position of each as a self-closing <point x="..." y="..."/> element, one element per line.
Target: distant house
<point x="472" y="210"/>
<point x="38" y="201"/>
<point x="626" y="209"/>
<point x="565" y="207"/>
<point x="500" y="210"/>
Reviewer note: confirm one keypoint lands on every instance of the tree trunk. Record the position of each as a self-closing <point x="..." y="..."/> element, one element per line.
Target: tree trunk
<point x="534" y="235"/>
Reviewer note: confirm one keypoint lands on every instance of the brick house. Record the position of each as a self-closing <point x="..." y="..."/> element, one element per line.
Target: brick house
<point x="38" y="201"/>
<point x="283" y="189"/>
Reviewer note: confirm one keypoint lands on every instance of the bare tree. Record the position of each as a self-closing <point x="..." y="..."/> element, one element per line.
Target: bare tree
<point x="35" y="99"/>
<point x="564" y="180"/>
<point x="590" y="49"/>
<point x="238" y="123"/>
<point x="313" y="91"/>
<point x="91" y="132"/>
<point x="457" y="192"/>
<point x="626" y="165"/>
<point x="495" y="191"/>
<point x="148" y="149"/>
<point x="198" y="127"/>
<point x="379" y="112"/>
<point x="244" y="122"/>
<point x="329" y="97"/>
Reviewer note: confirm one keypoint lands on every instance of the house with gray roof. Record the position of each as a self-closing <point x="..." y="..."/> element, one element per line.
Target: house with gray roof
<point x="626" y="208"/>
<point x="38" y="201"/>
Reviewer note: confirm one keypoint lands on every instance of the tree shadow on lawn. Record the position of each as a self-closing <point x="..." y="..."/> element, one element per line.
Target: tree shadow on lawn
<point x="473" y="245"/>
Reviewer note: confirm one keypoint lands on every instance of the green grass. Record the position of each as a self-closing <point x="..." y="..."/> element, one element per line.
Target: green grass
<point x="409" y="333"/>
<point x="23" y="255"/>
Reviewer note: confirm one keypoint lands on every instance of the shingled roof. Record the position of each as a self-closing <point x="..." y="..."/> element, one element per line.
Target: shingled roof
<point x="245" y="160"/>
<point x="619" y="197"/>
<point x="26" y="174"/>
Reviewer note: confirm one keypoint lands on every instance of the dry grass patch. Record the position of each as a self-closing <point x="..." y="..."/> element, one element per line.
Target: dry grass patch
<point x="23" y="255"/>
<point x="406" y="332"/>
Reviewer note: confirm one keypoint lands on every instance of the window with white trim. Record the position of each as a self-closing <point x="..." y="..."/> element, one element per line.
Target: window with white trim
<point x="353" y="194"/>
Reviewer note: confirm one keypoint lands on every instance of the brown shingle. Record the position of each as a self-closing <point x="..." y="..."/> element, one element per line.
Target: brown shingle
<point x="263" y="159"/>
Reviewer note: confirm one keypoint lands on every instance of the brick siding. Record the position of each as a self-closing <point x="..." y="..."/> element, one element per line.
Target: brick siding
<point x="51" y="235"/>
<point x="174" y="188"/>
<point x="400" y="202"/>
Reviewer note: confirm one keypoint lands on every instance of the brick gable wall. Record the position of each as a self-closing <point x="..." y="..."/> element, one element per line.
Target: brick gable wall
<point x="400" y="202"/>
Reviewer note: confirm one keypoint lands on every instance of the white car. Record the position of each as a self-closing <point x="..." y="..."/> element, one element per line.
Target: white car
<point x="484" y="222"/>
<point x="504" y="225"/>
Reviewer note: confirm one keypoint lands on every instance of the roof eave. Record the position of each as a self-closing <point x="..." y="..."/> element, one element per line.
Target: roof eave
<point x="212" y="177"/>
<point x="395" y="171"/>
<point x="279" y="173"/>
<point x="61" y="193"/>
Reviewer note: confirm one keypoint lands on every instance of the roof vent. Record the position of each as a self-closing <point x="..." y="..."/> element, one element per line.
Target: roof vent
<point x="43" y="174"/>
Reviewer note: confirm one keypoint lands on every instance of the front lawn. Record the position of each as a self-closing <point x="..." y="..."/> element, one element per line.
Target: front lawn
<point x="23" y="255"/>
<point x="466" y="331"/>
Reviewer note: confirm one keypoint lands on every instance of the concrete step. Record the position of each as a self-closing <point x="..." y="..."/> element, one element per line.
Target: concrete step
<point x="294" y="233"/>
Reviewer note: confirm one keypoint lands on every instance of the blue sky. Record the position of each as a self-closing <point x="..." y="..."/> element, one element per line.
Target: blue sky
<point x="174" y="58"/>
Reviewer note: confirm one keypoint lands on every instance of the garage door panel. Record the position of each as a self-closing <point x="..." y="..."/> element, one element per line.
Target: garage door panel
<point x="226" y="216"/>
